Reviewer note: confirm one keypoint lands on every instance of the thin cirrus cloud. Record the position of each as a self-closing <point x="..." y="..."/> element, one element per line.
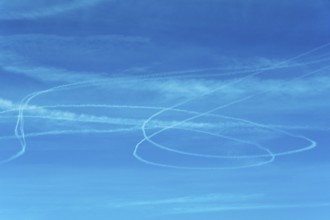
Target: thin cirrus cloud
<point x="223" y="208"/>
<point x="172" y="89"/>
<point x="68" y="58"/>
<point x="173" y="85"/>
<point x="72" y="51"/>
<point x="32" y="9"/>
<point x="312" y="93"/>
<point x="51" y="74"/>
<point x="210" y="203"/>
<point x="189" y="200"/>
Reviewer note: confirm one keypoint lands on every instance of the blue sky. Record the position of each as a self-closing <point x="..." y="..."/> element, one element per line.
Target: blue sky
<point x="199" y="109"/>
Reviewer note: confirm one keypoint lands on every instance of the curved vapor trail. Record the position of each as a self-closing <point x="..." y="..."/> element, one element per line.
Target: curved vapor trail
<point x="20" y="133"/>
<point x="147" y="137"/>
<point x="19" y="129"/>
<point x="117" y="130"/>
<point x="162" y="124"/>
<point x="158" y="124"/>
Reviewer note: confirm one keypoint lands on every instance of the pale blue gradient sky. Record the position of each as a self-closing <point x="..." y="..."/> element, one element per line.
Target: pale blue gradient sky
<point x="190" y="109"/>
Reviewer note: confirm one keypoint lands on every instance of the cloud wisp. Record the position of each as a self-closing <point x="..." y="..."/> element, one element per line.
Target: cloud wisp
<point x="12" y="10"/>
<point x="212" y="203"/>
<point x="224" y="208"/>
<point x="189" y="200"/>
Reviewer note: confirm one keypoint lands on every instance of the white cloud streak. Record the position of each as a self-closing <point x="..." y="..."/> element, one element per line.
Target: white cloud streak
<point x="34" y="9"/>
<point x="223" y="208"/>
<point x="51" y="74"/>
<point x="220" y="198"/>
<point x="19" y="55"/>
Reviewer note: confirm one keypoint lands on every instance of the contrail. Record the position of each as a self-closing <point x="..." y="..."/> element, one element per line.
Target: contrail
<point x="150" y="124"/>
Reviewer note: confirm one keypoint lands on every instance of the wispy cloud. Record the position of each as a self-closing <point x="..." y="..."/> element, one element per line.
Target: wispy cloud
<point x="189" y="200"/>
<point x="6" y="104"/>
<point x="223" y="208"/>
<point x="212" y="203"/>
<point x="171" y="90"/>
<point x="33" y="9"/>
<point x="273" y="87"/>
<point x="51" y="74"/>
<point x="19" y="55"/>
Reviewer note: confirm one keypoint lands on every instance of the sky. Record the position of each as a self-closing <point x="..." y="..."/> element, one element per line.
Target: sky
<point x="167" y="109"/>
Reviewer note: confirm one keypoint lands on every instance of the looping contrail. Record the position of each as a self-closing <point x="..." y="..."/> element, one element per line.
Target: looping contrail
<point x="264" y="156"/>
